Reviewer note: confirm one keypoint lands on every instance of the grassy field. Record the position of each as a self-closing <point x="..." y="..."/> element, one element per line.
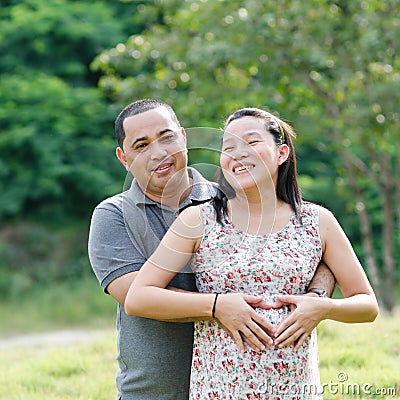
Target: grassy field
<point x="360" y="359"/>
<point x="356" y="361"/>
<point x="61" y="306"/>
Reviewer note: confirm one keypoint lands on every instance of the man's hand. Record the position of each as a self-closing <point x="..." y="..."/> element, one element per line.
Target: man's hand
<point x="236" y="315"/>
<point x="306" y="312"/>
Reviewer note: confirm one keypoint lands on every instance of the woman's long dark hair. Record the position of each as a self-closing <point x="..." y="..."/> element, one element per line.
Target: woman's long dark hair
<point x="287" y="188"/>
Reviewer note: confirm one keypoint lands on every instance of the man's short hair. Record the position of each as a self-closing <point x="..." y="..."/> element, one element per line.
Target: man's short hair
<point x="139" y="107"/>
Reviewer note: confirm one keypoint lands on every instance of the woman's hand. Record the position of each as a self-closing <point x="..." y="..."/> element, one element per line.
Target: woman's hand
<point x="236" y="315"/>
<point x="307" y="311"/>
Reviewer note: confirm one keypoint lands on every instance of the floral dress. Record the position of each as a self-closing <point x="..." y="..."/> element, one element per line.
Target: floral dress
<point x="230" y="260"/>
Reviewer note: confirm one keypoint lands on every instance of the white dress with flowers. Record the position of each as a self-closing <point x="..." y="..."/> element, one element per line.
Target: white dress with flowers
<point x="229" y="260"/>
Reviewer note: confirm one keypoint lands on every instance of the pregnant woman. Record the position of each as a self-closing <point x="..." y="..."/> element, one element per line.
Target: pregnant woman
<point x="257" y="237"/>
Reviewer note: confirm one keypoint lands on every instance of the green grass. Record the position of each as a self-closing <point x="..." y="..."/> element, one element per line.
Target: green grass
<point x="73" y="372"/>
<point x="369" y="354"/>
<point x="362" y="355"/>
<point x="79" y="371"/>
<point x="63" y="305"/>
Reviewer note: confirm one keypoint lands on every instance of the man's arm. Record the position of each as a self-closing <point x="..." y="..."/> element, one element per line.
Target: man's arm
<point x="323" y="279"/>
<point x="232" y="311"/>
<point x="119" y="287"/>
<point x="302" y="319"/>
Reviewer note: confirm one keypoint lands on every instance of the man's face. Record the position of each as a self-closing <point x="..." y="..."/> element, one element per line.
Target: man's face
<point x="154" y="150"/>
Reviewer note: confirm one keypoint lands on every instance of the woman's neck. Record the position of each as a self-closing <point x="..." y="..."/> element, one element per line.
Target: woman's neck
<point x="259" y="216"/>
<point x="256" y="201"/>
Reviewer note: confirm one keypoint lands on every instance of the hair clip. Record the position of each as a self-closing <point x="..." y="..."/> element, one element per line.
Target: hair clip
<point x="282" y="132"/>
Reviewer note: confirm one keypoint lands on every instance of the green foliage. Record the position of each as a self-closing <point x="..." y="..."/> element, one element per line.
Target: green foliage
<point x="56" y="134"/>
<point x="293" y="57"/>
<point x="53" y="146"/>
<point x="330" y="68"/>
<point x="57" y="305"/>
<point x="58" y="37"/>
<point x="36" y="255"/>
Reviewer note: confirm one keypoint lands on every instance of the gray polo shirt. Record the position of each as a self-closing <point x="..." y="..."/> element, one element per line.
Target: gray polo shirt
<point x="154" y="357"/>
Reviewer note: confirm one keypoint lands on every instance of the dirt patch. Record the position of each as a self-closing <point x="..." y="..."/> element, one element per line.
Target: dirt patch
<point x="54" y="338"/>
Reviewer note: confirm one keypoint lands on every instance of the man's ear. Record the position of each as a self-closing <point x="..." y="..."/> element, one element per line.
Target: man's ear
<point x="183" y="133"/>
<point x="284" y="152"/>
<point x="121" y="157"/>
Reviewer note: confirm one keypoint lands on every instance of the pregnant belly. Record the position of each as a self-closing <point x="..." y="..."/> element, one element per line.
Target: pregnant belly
<point x="210" y="329"/>
<point x="274" y="315"/>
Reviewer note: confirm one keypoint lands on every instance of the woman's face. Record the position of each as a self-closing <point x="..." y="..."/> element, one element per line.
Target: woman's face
<point x="250" y="157"/>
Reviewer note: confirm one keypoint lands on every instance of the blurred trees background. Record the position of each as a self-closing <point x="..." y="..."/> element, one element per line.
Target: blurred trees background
<point x="330" y="68"/>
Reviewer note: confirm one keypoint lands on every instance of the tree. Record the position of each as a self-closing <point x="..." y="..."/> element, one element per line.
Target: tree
<point x="355" y="79"/>
<point x="52" y="147"/>
<point x="56" y="132"/>
<point x="330" y="67"/>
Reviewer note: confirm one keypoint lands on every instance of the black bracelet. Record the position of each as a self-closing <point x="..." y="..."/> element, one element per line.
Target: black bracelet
<point x="215" y="302"/>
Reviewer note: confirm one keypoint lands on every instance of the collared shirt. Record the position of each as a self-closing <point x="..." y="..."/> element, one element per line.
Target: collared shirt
<point x="154" y="357"/>
<point x="147" y="220"/>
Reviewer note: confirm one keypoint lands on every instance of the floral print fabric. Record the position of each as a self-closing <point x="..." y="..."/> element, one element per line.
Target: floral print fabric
<point x="284" y="262"/>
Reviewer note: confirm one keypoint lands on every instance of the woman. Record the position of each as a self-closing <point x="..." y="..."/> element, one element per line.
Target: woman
<point x="257" y="237"/>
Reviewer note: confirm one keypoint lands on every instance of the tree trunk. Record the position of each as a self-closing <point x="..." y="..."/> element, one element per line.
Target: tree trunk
<point x="383" y="288"/>
<point x="366" y="229"/>
<point x="397" y="193"/>
<point x="388" y="229"/>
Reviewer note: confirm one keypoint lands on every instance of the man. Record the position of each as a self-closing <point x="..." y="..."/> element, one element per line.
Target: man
<point x="155" y="356"/>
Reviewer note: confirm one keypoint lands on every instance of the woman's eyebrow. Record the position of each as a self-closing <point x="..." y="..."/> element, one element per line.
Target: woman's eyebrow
<point x="247" y="134"/>
<point x="225" y="141"/>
